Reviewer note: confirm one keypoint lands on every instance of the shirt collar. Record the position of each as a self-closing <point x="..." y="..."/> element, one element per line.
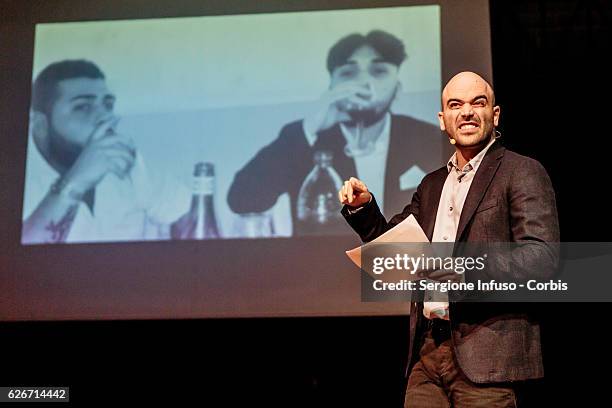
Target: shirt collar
<point x="472" y="164"/>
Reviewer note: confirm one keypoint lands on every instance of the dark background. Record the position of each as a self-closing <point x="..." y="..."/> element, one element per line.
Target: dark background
<point x="551" y="80"/>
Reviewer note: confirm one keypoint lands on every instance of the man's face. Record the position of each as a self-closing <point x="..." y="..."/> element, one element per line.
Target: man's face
<point x="366" y="68"/>
<point x="468" y="114"/>
<point x="81" y="103"/>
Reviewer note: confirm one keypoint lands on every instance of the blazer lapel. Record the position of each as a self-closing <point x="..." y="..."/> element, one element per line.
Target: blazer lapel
<point x="333" y="140"/>
<point x="428" y="213"/>
<point x="396" y="161"/>
<point x="479" y="186"/>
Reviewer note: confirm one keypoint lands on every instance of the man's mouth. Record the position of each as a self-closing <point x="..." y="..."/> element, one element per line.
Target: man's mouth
<point x="468" y="126"/>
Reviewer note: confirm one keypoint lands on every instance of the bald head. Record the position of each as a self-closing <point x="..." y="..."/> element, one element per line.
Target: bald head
<point x="469" y="114"/>
<point x="465" y="82"/>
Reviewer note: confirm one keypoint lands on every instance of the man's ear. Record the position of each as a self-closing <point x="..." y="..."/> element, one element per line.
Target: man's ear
<point x="398" y="89"/>
<point x="496" y="113"/>
<point x="39" y="125"/>
<point x="441" y="120"/>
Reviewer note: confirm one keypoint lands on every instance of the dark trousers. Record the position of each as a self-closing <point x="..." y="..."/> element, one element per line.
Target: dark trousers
<point x="436" y="381"/>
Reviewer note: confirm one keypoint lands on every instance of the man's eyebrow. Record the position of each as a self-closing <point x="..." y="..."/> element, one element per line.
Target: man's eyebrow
<point x="83" y="96"/>
<point x="92" y="96"/>
<point x="480" y="97"/>
<point x="472" y="101"/>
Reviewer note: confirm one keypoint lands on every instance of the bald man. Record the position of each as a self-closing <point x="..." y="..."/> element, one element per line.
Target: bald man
<point x="470" y="354"/>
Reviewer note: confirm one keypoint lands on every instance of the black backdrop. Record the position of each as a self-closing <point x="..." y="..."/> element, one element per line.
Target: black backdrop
<point x="552" y="83"/>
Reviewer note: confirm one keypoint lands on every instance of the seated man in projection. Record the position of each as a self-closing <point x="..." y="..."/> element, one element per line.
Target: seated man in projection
<point x="85" y="182"/>
<point x="353" y="131"/>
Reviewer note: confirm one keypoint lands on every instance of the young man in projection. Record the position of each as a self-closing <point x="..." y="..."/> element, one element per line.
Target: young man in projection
<point x="85" y="182"/>
<point x="354" y="122"/>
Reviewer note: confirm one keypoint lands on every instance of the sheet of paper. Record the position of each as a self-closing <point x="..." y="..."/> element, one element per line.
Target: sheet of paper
<point x="408" y="230"/>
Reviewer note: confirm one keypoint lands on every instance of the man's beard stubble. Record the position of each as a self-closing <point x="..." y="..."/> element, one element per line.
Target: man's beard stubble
<point x="63" y="152"/>
<point x="368" y="117"/>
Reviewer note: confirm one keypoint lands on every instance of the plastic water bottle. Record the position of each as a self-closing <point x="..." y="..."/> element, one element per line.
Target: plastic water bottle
<point x="318" y="208"/>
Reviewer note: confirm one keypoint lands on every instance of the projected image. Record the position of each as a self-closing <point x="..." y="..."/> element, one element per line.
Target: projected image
<point x="228" y="127"/>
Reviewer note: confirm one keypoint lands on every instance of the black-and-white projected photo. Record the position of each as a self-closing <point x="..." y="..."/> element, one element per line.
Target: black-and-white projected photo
<point x="236" y="126"/>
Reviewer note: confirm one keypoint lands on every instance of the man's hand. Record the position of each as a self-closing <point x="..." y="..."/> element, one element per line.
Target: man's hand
<point x="106" y="152"/>
<point x="354" y="193"/>
<point x="334" y="103"/>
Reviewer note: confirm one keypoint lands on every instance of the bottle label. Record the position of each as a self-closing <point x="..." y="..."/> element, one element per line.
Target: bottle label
<point x="203" y="185"/>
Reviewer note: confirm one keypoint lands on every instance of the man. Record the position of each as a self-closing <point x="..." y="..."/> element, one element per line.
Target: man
<point x="472" y="354"/>
<point x="354" y="123"/>
<point x="84" y="181"/>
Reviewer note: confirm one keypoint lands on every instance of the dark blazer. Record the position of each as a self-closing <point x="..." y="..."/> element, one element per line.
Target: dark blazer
<point x="511" y="199"/>
<point x="282" y="166"/>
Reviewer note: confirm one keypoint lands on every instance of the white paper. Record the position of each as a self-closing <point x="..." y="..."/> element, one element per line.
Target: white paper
<point x="408" y="230"/>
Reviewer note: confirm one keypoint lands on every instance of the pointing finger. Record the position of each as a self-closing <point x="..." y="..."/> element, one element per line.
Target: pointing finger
<point x="349" y="192"/>
<point x="340" y="197"/>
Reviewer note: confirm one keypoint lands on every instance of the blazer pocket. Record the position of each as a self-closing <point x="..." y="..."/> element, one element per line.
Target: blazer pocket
<point x="486" y="205"/>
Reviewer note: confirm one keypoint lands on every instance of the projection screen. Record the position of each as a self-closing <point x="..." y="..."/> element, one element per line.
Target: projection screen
<point x="182" y="167"/>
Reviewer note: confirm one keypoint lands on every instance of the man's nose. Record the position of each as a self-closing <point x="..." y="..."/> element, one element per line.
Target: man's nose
<point x="361" y="81"/>
<point x="103" y="114"/>
<point x="467" y="110"/>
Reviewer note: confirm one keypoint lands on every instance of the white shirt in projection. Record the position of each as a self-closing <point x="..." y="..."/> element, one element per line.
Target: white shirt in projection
<point x="372" y="166"/>
<point x="120" y="205"/>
